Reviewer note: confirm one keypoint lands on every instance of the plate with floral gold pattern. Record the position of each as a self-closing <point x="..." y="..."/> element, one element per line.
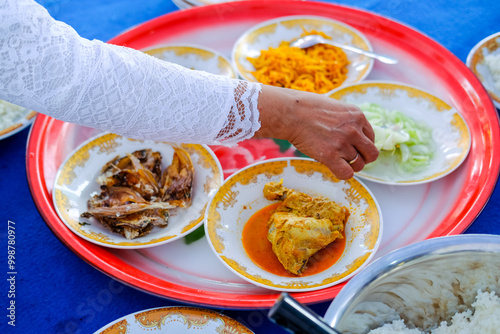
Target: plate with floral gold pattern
<point x="127" y="193"/>
<point x="175" y="319"/>
<point x="484" y="60"/>
<point x="282" y="252"/>
<point x="263" y="54"/>
<point x="421" y="138"/>
<point x="14" y="118"/>
<point x="195" y="57"/>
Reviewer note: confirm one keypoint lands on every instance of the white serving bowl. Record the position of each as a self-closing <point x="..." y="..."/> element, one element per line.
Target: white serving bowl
<point x="476" y="62"/>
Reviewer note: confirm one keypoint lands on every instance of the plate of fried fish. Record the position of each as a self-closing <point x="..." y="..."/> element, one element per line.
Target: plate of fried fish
<point x="128" y="193"/>
<point x="289" y="225"/>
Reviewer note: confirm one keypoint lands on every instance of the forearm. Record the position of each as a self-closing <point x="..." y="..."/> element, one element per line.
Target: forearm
<point x="52" y="70"/>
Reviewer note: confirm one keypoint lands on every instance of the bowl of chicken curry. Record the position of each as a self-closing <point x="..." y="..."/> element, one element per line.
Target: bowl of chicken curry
<point x="289" y="225"/>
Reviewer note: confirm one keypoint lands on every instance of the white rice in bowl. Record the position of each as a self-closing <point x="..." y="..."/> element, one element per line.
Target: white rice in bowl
<point x="453" y="293"/>
<point x="482" y="318"/>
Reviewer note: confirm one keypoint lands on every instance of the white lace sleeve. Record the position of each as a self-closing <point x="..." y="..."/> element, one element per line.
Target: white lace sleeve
<point x="46" y="66"/>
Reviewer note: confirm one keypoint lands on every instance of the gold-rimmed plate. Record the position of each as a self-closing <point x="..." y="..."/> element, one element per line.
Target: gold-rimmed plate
<point x="450" y="133"/>
<point x="75" y="183"/>
<point x="241" y="196"/>
<point x="195" y="57"/>
<point x="286" y="29"/>
<point x="476" y="61"/>
<point x="14" y="118"/>
<point x="175" y="319"/>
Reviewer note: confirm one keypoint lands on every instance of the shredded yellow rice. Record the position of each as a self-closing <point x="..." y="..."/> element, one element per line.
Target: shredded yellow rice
<point x="317" y="69"/>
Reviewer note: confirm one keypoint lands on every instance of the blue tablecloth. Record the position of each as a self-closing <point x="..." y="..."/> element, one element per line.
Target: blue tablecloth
<point x="57" y="292"/>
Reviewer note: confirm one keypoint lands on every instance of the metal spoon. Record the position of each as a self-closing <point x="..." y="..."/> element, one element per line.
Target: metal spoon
<point x="310" y="40"/>
<point x="297" y="318"/>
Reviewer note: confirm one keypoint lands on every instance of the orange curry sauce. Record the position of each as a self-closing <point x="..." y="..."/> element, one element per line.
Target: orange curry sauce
<point x="259" y="249"/>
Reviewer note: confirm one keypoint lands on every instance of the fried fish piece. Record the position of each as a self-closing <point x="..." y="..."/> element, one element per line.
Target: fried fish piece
<point x="177" y="180"/>
<point x="302" y="225"/>
<point x="149" y="159"/>
<point x="140" y="170"/>
<point x="136" y="224"/>
<point x="136" y="195"/>
<point x="114" y="196"/>
<point x="124" y="211"/>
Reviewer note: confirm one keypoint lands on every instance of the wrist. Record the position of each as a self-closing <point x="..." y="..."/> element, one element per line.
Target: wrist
<point x="276" y="115"/>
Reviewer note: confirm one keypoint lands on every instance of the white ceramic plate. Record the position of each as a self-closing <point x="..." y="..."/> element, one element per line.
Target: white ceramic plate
<point x="271" y="33"/>
<point x="241" y="196"/>
<point x="449" y="130"/>
<point x="182" y="4"/>
<point x="185" y="320"/>
<point x="194" y="57"/>
<point x="75" y="182"/>
<point x="211" y="2"/>
<point x="23" y="118"/>
<point x="192" y="3"/>
<point x="475" y="61"/>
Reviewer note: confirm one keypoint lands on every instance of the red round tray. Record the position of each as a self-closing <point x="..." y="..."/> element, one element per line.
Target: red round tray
<point x="447" y="206"/>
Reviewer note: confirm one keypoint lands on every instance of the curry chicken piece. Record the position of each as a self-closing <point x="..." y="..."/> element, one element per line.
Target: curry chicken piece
<point x="302" y="225"/>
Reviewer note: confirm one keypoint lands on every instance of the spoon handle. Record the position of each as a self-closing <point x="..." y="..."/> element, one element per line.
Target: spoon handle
<point x="384" y="59"/>
<point x="297" y="318"/>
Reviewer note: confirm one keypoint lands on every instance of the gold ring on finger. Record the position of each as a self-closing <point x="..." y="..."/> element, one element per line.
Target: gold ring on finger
<point x="354" y="160"/>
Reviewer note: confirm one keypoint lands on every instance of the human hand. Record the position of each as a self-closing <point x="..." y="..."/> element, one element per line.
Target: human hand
<point x="324" y="129"/>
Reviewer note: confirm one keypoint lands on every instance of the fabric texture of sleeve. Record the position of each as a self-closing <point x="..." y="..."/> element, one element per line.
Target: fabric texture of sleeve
<point x="47" y="67"/>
